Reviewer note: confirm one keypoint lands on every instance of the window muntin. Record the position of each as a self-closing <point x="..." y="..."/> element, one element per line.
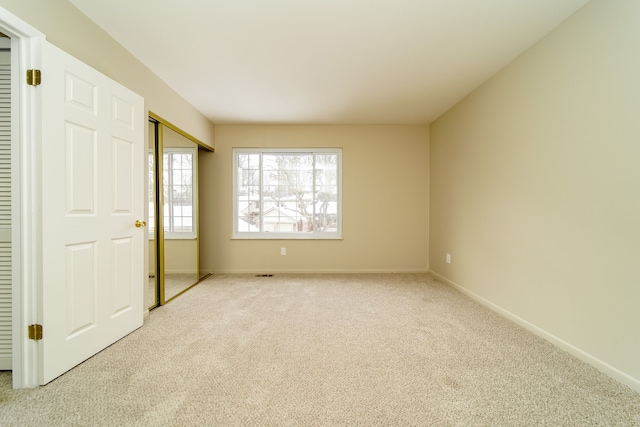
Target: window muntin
<point x="287" y="193"/>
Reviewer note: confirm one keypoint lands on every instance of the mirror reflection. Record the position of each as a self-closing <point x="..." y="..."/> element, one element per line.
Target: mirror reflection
<point x="179" y="172"/>
<point x="174" y="246"/>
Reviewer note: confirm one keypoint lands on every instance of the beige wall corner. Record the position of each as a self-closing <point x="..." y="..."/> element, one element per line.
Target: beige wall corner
<point x="534" y="188"/>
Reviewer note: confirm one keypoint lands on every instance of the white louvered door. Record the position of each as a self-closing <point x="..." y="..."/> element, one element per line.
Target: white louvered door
<point x="5" y="210"/>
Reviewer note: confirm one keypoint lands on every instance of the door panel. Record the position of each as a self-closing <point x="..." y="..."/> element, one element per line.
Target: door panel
<point x="123" y="253"/>
<point x="80" y="174"/>
<point x="93" y="192"/>
<point x="81" y="287"/>
<point x="123" y="174"/>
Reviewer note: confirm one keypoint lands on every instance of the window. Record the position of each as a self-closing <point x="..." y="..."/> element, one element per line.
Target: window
<point x="151" y="193"/>
<point x="287" y="193"/>
<point x="179" y="168"/>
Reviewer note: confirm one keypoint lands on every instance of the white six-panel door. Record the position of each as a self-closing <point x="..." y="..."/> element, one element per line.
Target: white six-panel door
<point x="93" y="193"/>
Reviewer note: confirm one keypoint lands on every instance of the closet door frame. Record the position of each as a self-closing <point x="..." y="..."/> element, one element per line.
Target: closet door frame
<point x="160" y="123"/>
<point x="26" y="53"/>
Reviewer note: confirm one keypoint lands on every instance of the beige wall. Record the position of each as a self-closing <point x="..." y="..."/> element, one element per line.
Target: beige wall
<point x="66" y="27"/>
<point x="535" y="184"/>
<point x="385" y="201"/>
<point x="180" y="256"/>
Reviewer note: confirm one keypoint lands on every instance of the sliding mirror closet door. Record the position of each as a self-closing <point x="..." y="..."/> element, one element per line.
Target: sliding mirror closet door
<point x="173" y="212"/>
<point x="179" y="174"/>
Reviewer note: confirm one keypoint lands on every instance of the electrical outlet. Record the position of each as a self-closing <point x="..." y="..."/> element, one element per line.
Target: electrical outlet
<point x="283" y="251"/>
<point x="448" y="258"/>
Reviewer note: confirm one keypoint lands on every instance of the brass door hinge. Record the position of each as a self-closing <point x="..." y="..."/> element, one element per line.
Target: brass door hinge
<point x="33" y="77"/>
<point x="35" y="332"/>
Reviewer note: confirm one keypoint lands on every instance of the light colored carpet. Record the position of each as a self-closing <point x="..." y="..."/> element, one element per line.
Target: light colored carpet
<point x="315" y="350"/>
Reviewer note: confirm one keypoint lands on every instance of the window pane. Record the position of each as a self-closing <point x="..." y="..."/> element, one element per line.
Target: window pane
<point x="292" y="193"/>
<point x="287" y="192"/>
<point x="178" y="190"/>
<point x="248" y="193"/>
<point x="151" y="191"/>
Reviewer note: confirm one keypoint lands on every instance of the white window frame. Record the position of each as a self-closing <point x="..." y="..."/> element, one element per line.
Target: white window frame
<point x="151" y="177"/>
<point x="274" y="235"/>
<point x="184" y="235"/>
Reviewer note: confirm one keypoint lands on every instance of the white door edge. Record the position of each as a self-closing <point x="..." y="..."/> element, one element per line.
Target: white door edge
<point x="26" y="52"/>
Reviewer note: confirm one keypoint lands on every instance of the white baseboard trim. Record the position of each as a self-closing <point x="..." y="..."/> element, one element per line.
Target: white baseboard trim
<point x="609" y="370"/>
<point x="315" y="271"/>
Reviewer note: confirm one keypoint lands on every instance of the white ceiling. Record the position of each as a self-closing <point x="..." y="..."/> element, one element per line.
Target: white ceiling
<point x="326" y="61"/>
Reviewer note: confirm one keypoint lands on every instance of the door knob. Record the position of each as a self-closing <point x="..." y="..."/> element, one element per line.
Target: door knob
<point x="140" y="223"/>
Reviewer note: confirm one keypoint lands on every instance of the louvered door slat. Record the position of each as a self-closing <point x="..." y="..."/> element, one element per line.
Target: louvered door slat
<point x="5" y="211"/>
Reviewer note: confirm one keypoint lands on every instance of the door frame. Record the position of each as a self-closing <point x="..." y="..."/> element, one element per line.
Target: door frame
<point x="26" y="53"/>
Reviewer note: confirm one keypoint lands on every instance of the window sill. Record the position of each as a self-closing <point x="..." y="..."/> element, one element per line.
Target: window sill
<point x="289" y="237"/>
